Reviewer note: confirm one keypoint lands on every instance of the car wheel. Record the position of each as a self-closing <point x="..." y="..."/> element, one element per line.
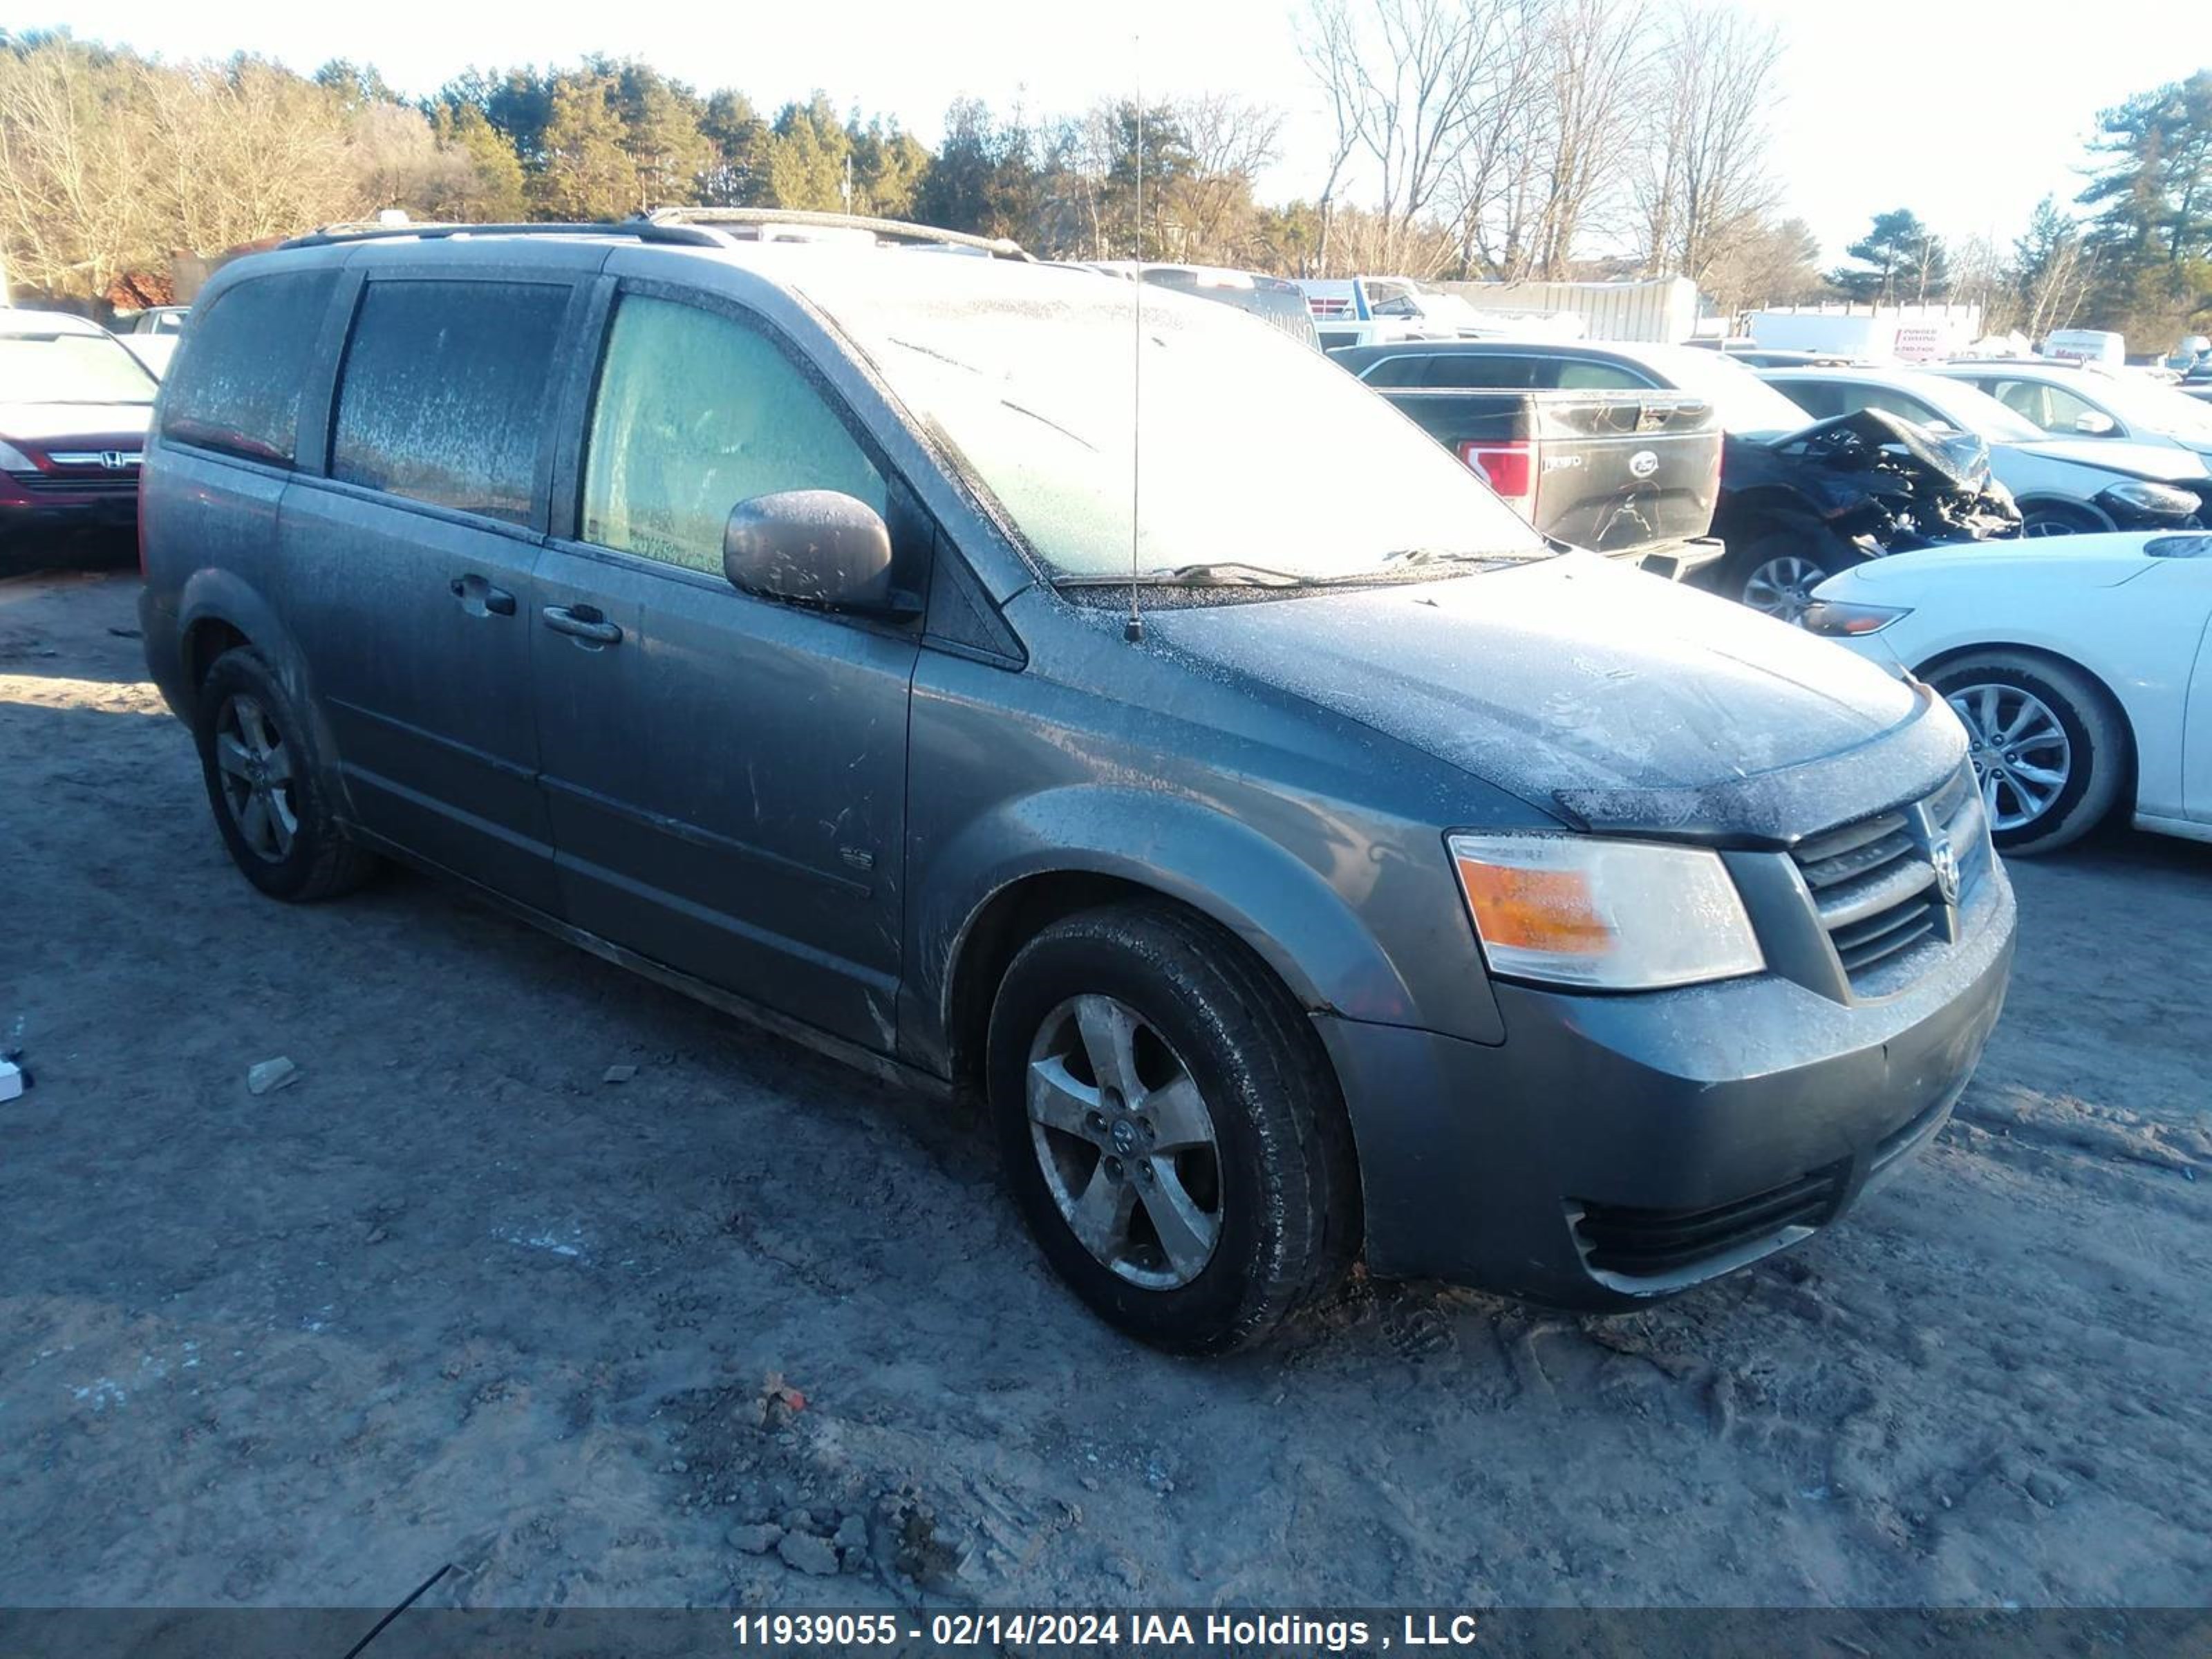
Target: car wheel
<point x="1775" y="574"/>
<point x="268" y="797"/>
<point x="2057" y="518"/>
<point x="2050" y="748"/>
<point x="1170" y="1127"/>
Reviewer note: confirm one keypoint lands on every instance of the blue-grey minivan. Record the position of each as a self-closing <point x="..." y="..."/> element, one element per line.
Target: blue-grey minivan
<point x="1300" y="857"/>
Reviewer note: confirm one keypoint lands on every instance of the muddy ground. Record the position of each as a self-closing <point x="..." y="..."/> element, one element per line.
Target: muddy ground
<point x="451" y="1298"/>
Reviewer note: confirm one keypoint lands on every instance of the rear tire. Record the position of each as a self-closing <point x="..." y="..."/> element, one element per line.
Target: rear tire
<point x="267" y="790"/>
<point x="1204" y="1156"/>
<point x="2045" y="736"/>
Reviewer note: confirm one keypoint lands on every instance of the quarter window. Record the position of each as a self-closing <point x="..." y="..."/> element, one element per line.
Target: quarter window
<point x="235" y="385"/>
<point x="697" y="412"/>
<point x="444" y="392"/>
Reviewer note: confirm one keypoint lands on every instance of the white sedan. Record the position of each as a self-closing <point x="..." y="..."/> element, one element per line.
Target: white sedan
<point x="2081" y="666"/>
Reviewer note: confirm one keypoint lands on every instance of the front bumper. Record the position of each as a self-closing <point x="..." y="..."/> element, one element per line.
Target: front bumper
<point x="1616" y="1148"/>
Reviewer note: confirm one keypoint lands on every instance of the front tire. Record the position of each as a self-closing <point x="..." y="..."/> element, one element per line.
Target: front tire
<point x="268" y="796"/>
<point x="2050" y="748"/>
<point x="1776" y="573"/>
<point x="1170" y="1127"/>
<point x="2058" y="518"/>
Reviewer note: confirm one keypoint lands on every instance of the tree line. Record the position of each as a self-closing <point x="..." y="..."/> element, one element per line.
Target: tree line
<point x="1501" y="139"/>
<point x="2136" y="258"/>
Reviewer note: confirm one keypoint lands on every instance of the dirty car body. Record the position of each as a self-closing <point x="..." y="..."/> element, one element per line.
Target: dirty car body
<point x="1343" y="718"/>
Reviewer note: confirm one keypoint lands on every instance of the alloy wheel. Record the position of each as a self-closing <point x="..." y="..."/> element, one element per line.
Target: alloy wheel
<point x="255" y="766"/>
<point x="1125" y="1141"/>
<point x="1781" y="588"/>
<point x="2021" y="755"/>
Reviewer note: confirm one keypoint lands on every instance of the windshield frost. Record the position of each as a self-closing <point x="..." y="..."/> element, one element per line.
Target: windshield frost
<point x="1253" y="449"/>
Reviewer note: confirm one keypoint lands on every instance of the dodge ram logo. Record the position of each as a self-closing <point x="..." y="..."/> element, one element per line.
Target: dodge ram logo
<point x="1946" y="861"/>
<point x="1643" y="463"/>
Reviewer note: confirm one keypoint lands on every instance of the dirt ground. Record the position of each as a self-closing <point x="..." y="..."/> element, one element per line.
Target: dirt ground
<point x="451" y="1298"/>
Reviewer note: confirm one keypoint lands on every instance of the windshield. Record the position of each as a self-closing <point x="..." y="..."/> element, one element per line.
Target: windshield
<point x="1743" y="401"/>
<point x="1254" y="450"/>
<point x="70" y="368"/>
<point x="2145" y="403"/>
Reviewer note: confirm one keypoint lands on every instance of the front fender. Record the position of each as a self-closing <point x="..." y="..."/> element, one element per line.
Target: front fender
<point x="1296" y="917"/>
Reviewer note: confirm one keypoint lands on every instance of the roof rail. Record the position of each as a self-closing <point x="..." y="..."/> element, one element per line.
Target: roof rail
<point x="643" y="230"/>
<point x="892" y="230"/>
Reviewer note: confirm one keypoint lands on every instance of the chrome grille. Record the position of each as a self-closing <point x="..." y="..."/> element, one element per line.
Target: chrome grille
<point x="1874" y="882"/>
<point x="124" y="482"/>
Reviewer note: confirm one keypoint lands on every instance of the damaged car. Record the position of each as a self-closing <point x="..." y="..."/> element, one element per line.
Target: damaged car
<point x="1798" y="501"/>
<point x="1294" y="869"/>
<point x="1798" y="508"/>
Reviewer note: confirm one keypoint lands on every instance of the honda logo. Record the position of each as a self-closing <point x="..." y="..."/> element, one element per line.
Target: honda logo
<point x="116" y="460"/>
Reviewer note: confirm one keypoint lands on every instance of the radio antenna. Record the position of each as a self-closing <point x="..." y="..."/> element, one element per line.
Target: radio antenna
<point x="1134" y="630"/>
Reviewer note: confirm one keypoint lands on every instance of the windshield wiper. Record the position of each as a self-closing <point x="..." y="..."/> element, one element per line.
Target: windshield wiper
<point x="1217" y="573"/>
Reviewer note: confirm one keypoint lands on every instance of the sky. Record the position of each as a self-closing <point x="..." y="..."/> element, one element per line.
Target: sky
<point x="1966" y="111"/>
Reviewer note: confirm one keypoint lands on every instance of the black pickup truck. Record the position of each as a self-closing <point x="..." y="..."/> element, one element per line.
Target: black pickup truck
<point x="1633" y="474"/>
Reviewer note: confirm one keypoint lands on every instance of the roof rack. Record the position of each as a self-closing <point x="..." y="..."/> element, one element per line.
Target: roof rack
<point x="889" y="230"/>
<point x="643" y="230"/>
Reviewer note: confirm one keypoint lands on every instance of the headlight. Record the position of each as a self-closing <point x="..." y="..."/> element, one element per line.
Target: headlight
<point x="13" y="459"/>
<point x="1617" y="915"/>
<point x="2144" y="496"/>
<point x="1843" y="618"/>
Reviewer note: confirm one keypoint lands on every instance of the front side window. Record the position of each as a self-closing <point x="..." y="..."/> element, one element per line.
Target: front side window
<point x="235" y="385"/>
<point x="2051" y="408"/>
<point x="445" y="390"/>
<point x="697" y="412"/>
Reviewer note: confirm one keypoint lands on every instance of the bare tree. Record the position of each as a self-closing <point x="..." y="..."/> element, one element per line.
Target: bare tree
<point x="1408" y="81"/>
<point x="71" y="220"/>
<point x="1705" y="187"/>
<point x="1231" y="142"/>
<point x="1595" y="59"/>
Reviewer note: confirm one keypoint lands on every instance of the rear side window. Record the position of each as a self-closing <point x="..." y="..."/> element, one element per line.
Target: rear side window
<point x="697" y="412"/>
<point x="1472" y="369"/>
<point x="444" y="395"/>
<point x="235" y="385"/>
<point x="1586" y="374"/>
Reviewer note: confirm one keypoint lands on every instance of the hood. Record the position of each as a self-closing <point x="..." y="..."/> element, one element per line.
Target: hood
<point x="2104" y="560"/>
<point x="75" y="426"/>
<point x="1568" y="676"/>
<point x="2155" y="461"/>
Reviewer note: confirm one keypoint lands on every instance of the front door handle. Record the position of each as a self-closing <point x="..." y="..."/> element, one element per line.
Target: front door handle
<point x="583" y="623"/>
<point x="479" y="598"/>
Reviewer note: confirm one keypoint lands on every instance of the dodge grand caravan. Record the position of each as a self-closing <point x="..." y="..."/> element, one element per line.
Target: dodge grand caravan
<point x="1305" y="870"/>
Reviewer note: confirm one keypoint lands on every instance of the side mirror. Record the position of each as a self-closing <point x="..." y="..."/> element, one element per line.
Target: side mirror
<point x="2090" y="423"/>
<point x="813" y="547"/>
